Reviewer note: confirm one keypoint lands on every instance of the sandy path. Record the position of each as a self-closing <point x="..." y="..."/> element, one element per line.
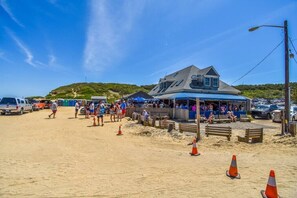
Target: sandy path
<point x="66" y="157"/>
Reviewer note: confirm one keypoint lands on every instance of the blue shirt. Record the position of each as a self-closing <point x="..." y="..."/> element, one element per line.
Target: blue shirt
<point x="123" y="105"/>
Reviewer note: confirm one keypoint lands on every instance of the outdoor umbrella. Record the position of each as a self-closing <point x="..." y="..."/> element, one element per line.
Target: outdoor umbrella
<point x="138" y="99"/>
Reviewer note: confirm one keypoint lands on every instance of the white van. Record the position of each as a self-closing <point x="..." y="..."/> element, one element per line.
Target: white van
<point x="14" y="105"/>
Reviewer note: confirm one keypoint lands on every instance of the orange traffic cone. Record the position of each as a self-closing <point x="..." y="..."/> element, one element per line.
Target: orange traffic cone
<point x="271" y="190"/>
<point x="194" y="148"/>
<point x="233" y="173"/>
<point x="120" y="130"/>
<point x="94" y="121"/>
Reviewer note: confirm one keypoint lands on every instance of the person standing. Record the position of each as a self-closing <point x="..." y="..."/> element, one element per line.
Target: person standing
<point x="112" y="112"/>
<point x="54" y="108"/>
<point x="100" y="113"/>
<point x="118" y="112"/>
<point x="76" y="108"/>
<point x="92" y="108"/>
<point x="87" y="110"/>
<point x="123" y="107"/>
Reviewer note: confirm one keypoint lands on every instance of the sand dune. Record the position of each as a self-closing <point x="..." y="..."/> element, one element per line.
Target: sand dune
<point x="67" y="157"/>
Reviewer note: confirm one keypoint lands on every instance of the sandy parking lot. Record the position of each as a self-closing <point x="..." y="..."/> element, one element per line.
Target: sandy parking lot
<point x="67" y="157"/>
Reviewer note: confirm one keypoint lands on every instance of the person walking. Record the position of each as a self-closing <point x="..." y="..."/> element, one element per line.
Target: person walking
<point x="54" y="108"/>
<point x="76" y="108"/>
<point x="123" y="107"/>
<point x="100" y="113"/>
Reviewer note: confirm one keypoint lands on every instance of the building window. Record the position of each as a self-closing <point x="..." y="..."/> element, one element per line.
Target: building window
<point x="215" y="82"/>
<point x="206" y="81"/>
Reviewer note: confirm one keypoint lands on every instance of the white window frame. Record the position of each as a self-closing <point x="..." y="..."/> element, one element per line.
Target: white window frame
<point x="217" y="84"/>
<point x="209" y="81"/>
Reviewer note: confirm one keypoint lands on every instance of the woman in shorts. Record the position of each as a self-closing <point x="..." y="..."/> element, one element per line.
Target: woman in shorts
<point x="118" y="111"/>
<point x="112" y="112"/>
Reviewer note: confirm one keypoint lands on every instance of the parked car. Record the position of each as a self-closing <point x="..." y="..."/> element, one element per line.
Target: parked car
<point x="293" y="113"/>
<point x="47" y="103"/>
<point x="39" y="104"/>
<point x="34" y="104"/>
<point x="263" y="111"/>
<point x="276" y="115"/>
<point x="14" y="105"/>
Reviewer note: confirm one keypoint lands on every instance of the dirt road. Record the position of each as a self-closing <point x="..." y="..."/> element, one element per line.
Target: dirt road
<point x="67" y="157"/>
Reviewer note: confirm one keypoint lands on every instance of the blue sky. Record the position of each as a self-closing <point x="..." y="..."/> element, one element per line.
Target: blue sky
<point x="50" y="43"/>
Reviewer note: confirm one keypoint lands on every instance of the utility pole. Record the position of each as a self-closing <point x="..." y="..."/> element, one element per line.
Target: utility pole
<point x="287" y="97"/>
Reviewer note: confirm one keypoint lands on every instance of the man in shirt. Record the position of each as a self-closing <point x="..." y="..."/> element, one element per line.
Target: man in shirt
<point x="123" y="107"/>
<point x="54" y="108"/>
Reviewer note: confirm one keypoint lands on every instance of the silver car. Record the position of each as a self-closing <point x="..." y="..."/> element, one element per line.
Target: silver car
<point x="276" y="114"/>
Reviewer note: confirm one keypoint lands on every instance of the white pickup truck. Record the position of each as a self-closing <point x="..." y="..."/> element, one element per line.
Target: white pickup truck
<point x="14" y="105"/>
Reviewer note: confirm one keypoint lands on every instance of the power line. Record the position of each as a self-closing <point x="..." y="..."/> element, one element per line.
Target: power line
<point x="258" y="63"/>
<point x="293" y="45"/>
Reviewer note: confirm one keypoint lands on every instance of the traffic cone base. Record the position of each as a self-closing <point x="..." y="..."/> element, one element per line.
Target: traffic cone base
<point x="232" y="177"/>
<point x="264" y="195"/>
<point x="195" y="154"/>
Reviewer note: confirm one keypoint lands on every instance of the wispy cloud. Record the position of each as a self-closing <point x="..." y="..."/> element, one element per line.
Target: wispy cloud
<point x="6" y="8"/>
<point x="24" y="49"/>
<point x="107" y="32"/>
<point x="3" y="57"/>
<point x="52" y="59"/>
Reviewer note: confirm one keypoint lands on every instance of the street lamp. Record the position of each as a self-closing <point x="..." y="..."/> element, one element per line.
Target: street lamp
<point x="287" y="97"/>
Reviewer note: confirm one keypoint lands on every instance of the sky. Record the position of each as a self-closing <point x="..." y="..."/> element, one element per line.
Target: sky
<point x="51" y="43"/>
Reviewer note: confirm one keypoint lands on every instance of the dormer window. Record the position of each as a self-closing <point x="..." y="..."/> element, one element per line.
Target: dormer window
<point x="215" y="82"/>
<point x="206" y="81"/>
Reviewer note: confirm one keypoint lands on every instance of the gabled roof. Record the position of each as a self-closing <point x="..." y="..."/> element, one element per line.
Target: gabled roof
<point x="138" y="94"/>
<point x="209" y="71"/>
<point x="180" y="82"/>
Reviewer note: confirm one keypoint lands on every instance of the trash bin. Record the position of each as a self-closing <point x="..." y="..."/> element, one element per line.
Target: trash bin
<point x="293" y="128"/>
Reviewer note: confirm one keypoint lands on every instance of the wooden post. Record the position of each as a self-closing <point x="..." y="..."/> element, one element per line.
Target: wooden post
<point x="174" y="108"/>
<point x="198" y="117"/>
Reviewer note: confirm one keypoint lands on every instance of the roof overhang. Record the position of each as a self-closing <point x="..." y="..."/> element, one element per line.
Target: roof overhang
<point x="202" y="96"/>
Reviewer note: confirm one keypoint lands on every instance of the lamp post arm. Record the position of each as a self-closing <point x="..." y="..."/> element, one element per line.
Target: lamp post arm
<point x="277" y="26"/>
<point x="257" y="27"/>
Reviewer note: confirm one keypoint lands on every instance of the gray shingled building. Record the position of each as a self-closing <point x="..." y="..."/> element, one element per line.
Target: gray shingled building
<point x="184" y="86"/>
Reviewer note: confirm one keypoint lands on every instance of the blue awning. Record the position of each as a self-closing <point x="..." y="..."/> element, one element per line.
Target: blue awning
<point x="202" y="96"/>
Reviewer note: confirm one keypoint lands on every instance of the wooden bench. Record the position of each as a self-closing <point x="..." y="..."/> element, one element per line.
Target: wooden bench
<point x="244" y="118"/>
<point x="187" y="128"/>
<point x="144" y="121"/>
<point x="218" y="131"/>
<point x="224" y="118"/>
<point x="152" y="121"/>
<point x="255" y="135"/>
<point x="165" y="124"/>
<point x="135" y="116"/>
<point x="161" y="115"/>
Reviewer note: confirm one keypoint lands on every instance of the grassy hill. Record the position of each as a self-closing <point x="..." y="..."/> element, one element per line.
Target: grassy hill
<point x="115" y="90"/>
<point x="269" y="91"/>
